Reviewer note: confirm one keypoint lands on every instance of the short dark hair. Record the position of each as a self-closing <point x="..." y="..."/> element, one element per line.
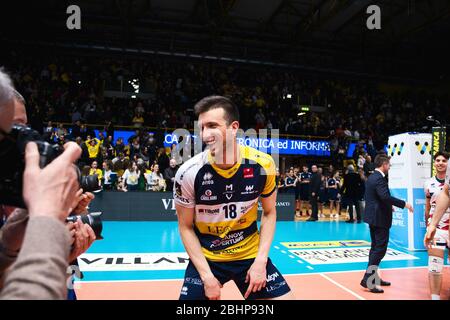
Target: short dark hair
<point x="215" y="102"/>
<point x="381" y="159"/>
<point x="441" y="153"/>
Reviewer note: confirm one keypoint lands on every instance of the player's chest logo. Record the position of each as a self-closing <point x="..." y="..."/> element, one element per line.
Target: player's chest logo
<point x="208" y="179"/>
<point x="229" y="191"/>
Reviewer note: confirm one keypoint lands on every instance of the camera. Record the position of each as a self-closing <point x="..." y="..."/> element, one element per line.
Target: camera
<point x="93" y="220"/>
<point x="12" y="158"/>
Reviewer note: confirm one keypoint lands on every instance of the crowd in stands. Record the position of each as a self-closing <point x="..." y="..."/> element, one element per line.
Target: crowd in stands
<point x="72" y="89"/>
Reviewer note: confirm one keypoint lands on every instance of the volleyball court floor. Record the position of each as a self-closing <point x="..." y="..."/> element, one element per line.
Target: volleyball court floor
<point x="322" y="260"/>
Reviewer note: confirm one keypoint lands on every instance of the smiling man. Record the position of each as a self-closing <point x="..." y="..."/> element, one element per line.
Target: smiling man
<point x="216" y="195"/>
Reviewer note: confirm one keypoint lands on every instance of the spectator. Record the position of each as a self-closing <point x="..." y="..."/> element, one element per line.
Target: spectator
<point x="289" y="182"/>
<point x="93" y="147"/>
<point x="109" y="176"/>
<point x="352" y="193"/>
<point x="130" y="177"/>
<point x="314" y="189"/>
<point x="155" y="180"/>
<point x="169" y="174"/>
<point x="369" y="166"/>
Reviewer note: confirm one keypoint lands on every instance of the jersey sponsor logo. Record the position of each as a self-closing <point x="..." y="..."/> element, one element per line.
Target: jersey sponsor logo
<point x="248" y="173"/>
<point x="275" y="286"/>
<point x="178" y="189"/>
<point x="207" y="179"/>
<point x="272" y="277"/>
<point x="208" y="196"/>
<point x="209" y="211"/>
<point x="219" y="229"/>
<point x="249" y="190"/>
<point x="181" y="199"/>
<point x="228" y="191"/>
<point x="229" y="240"/>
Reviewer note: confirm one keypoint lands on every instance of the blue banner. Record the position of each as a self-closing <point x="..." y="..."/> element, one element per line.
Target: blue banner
<point x="399" y="230"/>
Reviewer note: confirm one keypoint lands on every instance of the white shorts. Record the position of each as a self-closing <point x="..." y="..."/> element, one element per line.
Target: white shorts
<point x="441" y="237"/>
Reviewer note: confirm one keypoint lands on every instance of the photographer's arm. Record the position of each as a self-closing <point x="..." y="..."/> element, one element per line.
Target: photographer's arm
<point x="40" y="269"/>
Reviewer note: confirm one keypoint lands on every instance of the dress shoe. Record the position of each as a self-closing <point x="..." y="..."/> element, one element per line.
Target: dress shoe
<point x="359" y="221"/>
<point x="373" y="290"/>
<point x="384" y="283"/>
<point x="350" y="221"/>
<point x="311" y="219"/>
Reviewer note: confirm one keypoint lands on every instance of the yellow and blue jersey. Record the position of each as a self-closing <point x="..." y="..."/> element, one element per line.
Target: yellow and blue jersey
<point x="226" y="201"/>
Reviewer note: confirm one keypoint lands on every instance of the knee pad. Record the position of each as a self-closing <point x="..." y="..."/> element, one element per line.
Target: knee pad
<point x="435" y="264"/>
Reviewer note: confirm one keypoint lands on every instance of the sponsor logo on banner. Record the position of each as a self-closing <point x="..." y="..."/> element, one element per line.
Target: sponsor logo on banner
<point x="396" y="149"/>
<point x="326" y="244"/>
<point x="423" y="148"/>
<point x="133" y="261"/>
<point x="346" y="255"/>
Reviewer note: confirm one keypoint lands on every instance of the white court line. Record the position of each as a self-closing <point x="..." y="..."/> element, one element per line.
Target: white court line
<point x="282" y="251"/>
<point x="342" y="287"/>
<point x="291" y="256"/>
<point x="284" y="275"/>
<point x="299" y="261"/>
<point x="276" y="247"/>
<point x="310" y="268"/>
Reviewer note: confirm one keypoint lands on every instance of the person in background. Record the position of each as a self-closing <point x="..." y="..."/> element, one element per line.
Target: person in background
<point x="433" y="188"/>
<point x="352" y="193"/>
<point x="109" y="176"/>
<point x="314" y="189"/>
<point x="323" y="196"/>
<point x="332" y="186"/>
<point x="130" y="177"/>
<point x="289" y="182"/>
<point x="169" y="174"/>
<point x="304" y="180"/>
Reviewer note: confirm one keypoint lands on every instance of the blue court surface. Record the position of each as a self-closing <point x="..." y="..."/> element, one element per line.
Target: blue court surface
<point x="163" y="237"/>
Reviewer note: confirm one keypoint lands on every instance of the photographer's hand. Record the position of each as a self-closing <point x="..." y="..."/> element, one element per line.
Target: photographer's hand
<point x="81" y="202"/>
<point x="50" y="191"/>
<point x="83" y="237"/>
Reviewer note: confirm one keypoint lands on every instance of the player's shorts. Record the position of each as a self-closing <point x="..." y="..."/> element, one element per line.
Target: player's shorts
<point x="333" y="194"/>
<point x="441" y="238"/>
<point x="297" y="193"/>
<point x="193" y="288"/>
<point x="304" y="193"/>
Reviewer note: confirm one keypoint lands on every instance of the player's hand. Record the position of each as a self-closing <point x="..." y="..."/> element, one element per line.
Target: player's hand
<point x="212" y="287"/>
<point x="428" y="241"/>
<point x="256" y="275"/>
<point x="409" y="207"/>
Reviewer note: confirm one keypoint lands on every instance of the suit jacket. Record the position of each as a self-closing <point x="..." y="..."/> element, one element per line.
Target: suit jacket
<point x="379" y="202"/>
<point x="314" y="184"/>
<point x="40" y="269"/>
<point x="352" y="185"/>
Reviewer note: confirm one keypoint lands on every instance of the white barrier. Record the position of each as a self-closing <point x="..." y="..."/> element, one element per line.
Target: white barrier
<point x="410" y="167"/>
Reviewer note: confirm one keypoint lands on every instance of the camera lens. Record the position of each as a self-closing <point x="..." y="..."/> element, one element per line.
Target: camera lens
<point x="89" y="183"/>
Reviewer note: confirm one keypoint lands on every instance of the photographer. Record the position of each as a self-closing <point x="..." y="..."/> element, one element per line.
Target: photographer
<point x="39" y="271"/>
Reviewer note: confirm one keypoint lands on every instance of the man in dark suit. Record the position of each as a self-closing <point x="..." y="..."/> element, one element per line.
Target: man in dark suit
<point x="352" y="193"/>
<point x="378" y="214"/>
<point x="314" y="188"/>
